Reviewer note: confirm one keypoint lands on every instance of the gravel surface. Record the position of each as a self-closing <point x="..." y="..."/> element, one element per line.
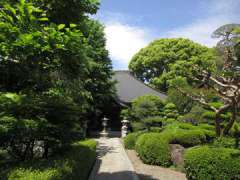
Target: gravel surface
<point x="149" y="172"/>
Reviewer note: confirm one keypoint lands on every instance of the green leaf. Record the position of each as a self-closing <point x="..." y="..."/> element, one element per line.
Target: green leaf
<point x="73" y="25"/>
<point x="43" y="19"/>
<point x="61" y="26"/>
<point x="8" y="7"/>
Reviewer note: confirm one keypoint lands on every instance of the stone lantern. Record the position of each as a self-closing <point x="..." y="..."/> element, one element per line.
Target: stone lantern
<point x="124" y="129"/>
<point x="104" y="133"/>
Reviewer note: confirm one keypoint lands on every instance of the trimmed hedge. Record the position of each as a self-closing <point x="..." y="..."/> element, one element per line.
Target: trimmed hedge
<point x="153" y="149"/>
<point x="188" y="138"/>
<point x="204" y="163"/>
<point x="155" y="121"/>
<point x="138" y="126"/>
<point x="226" y="142"/>
<point x="156" y="129"/>
<point x="130" y="140"/>
<point x="75" y="164"/>
<point x="206" y="127"/>
<point x="189" y="135"/>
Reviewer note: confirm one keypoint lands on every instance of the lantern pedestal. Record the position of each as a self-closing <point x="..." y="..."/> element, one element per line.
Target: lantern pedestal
<point x="104" y="133"/>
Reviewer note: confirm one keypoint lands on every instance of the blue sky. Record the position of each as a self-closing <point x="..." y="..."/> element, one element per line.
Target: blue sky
<point x="131" y="24"/>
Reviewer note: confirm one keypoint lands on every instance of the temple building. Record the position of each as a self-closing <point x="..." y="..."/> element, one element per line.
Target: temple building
<point x="129" y="88"/>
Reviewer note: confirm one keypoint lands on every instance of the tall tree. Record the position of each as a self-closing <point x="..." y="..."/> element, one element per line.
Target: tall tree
<point x="153" y="63"/>
<point x="225" y="81"/>
<point x="61" y="69"/>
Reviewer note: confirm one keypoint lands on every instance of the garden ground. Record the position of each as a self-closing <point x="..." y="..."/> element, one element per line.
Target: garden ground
<point x="150" y="172"/>
<point x="113" y="163"/>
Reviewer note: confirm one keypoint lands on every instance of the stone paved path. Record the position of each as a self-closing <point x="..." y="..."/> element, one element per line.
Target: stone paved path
<point x="112" y="162"/>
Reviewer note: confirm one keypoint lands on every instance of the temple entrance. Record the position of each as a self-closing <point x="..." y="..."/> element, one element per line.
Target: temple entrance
<point x="112" y="113"/>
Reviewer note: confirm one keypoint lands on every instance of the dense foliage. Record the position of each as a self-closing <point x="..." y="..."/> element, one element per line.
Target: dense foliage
<point x="202" y="107"/>
<point x="163" y="59"/>
<point x="153" y="149"/>
<point x="183" y="103"/>
<point x="188" y="135"/>
<point x="130" y="140"/>
<point x="66" y="165"/>
<point x="146" y="106"/>
<point x="141" y="109"/>
<point x="217" y="89"/>
<point x="150" y="111"/>
<point x="212" y="163"/>
<point x="54" y="74"/>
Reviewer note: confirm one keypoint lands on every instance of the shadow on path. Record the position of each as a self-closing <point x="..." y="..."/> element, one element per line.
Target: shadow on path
<point x="102" y="150"/>
<point x="122" y="175"/>
<point x="112" y="162"/>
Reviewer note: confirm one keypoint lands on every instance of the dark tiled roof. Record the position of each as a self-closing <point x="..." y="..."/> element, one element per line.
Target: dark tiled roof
<point x="128" y="87"/>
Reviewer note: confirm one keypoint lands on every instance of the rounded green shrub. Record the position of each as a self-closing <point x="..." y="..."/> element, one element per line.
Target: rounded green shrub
<point x="138" y="126"/>
<point x="194" y="116"/>
<point x="169" y="121"/>
<point x="186" y="126"/>
<point x="188" y="138"/>
<point x="156" y="129"/>
<point x="130" y="140"/>
<point x="206" y="126"/>
<point x="235" y="130"/>
<point x="190" y="135"/>
<point x="29" y="174"/>
<point x="203" y="163"/>
<point x="146" y="106"/>
<point x="155" y="121"/>
<point x="227" y="142"/>
<point x="153" y="149"/>
<point x="81" y="155"/>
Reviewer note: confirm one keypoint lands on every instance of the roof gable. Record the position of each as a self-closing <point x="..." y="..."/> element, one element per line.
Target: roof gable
<point x="128" y="87"/>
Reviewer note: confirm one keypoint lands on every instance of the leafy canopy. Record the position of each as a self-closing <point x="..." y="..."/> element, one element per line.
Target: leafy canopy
<point x="163" y="59"/>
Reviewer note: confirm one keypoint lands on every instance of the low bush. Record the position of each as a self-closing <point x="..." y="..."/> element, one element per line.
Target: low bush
<point x="203" y="163"/>
<point x="189" y="135"/>
<point x="186" y="126"/>
<point x="170" y="111"/>
<point x="206" y="126"/>
<point x="188" y="138"/>
<point x="235" y="130"/>
<point x="138" y="126"/>
<point x="146" y="106"/>
<point x="155" y="121"/>
<point x="226" y="142"/>
<point x="155" y="129"/>
<point x="169" y="121"/>
<point x="153" y="149"/>
<point x="210" y="135"/>
<point x="50" y="120"/>
<point x="130" y="140"/>
<point x="194" y="116"/>
<point x="75" y="164"/>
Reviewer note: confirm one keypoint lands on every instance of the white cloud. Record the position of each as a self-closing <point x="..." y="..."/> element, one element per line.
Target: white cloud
<point x="200" y="31"/>
<point x="218" y="13"/>
<point x="123" y="41"/>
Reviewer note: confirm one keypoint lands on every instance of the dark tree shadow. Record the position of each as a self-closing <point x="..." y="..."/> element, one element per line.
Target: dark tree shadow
<point x="123" y="175"/>
<point x="102" y="150"/>
<point x="76" y="158"/>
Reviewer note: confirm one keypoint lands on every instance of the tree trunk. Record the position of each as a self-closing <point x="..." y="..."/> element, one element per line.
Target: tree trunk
<point x="32" y="150"/>
<point x="46" y="147"/>
<point x="26" y="151"/>
<point x="231" y="122"/>
<point x="217" y="124"/>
